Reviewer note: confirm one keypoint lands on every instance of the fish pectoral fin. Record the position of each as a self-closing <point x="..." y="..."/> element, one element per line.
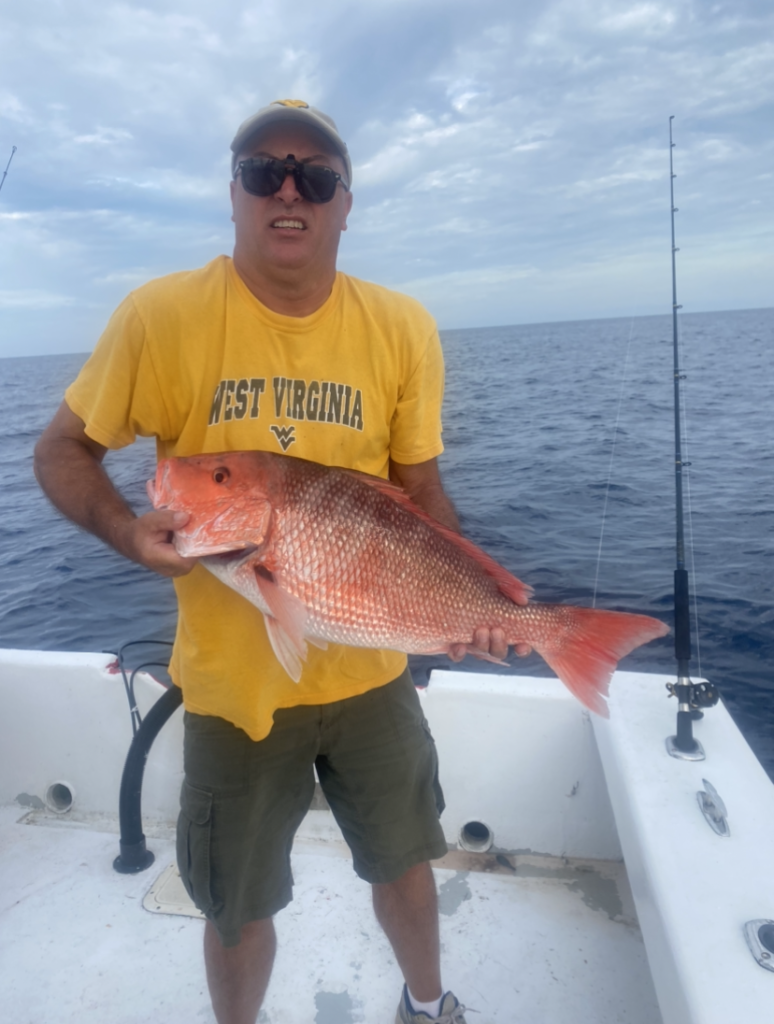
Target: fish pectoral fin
<point x="321" y="645"/>
<point x="286" y="652"/>
<point x="286" y="622"/>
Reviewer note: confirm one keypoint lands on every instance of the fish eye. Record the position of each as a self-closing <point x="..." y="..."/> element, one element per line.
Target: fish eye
<point x="220" y="475"/>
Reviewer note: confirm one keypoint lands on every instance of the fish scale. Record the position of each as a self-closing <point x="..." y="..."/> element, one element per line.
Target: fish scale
<point x="330" y="555"/>
<point x="364" y="605"/>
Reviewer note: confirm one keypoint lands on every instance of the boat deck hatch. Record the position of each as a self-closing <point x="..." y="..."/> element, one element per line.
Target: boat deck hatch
<point x="168" y="895"/>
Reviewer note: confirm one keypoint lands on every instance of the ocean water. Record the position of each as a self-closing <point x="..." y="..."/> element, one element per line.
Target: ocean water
<point x="550" y="430"/>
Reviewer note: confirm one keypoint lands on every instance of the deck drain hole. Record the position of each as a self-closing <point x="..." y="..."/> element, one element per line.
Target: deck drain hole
<point x="59" y="797"/>
<point x="476" y="837"/>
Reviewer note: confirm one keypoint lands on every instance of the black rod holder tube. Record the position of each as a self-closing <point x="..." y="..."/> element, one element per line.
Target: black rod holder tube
<point x="134" y="857"/>
<point x="684" y="739"/>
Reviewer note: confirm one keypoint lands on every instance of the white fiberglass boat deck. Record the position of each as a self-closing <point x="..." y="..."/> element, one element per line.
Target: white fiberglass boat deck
<point x="78" y="945"/>
<point x="542" y="927"/>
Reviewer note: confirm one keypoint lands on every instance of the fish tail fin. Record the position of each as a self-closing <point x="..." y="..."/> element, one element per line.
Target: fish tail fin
<point x="585" y="653"/>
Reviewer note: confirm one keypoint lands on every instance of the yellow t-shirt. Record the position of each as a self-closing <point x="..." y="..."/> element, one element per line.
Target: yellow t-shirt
<point x="195" y="360"/>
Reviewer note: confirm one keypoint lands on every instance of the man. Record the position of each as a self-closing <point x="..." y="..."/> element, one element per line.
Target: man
<point x="276" y="350"/>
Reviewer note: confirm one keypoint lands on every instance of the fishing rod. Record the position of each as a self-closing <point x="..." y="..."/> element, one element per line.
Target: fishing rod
<point x="690" y="696"/>
<point x="5" y="172"/>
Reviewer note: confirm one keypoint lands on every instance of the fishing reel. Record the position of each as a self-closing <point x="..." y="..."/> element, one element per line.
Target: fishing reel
<point x="699" y="695"/>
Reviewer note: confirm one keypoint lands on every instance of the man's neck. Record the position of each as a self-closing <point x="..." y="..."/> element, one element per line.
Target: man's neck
<point x="286" y="293"/>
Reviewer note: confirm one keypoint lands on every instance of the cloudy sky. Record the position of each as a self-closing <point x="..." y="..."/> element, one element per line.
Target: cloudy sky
<point x="511" y="156"/>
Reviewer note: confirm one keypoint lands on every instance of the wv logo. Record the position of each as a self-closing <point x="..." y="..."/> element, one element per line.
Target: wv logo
<point x="285" y="435"/>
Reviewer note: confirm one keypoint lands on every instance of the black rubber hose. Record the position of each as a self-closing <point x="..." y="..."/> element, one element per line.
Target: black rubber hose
<point x="134" y="857"/>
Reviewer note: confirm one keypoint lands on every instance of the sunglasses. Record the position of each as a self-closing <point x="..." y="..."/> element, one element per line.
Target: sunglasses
<point x="263" y="176"/>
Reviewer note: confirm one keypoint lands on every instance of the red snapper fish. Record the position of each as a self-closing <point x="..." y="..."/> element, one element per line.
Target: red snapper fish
<point x="334" y="555"/>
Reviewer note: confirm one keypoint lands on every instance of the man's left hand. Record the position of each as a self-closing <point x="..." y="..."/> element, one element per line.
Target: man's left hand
<point x="489" y="641"/>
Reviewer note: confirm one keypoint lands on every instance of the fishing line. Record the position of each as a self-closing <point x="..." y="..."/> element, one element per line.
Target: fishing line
<point x="687" y="478"/>
<point x="612" y="457"/>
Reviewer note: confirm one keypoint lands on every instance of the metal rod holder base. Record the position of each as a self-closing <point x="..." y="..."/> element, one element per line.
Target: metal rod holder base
<point x="133" y="858"/>
<point x="697" y="754"/>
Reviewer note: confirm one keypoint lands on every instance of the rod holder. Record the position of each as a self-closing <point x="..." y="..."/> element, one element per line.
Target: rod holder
<point x="134" y="856"/>
<point x="691" y="697"/>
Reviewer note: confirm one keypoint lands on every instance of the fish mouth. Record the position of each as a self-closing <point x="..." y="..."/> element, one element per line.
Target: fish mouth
<point x="235" y="556"/>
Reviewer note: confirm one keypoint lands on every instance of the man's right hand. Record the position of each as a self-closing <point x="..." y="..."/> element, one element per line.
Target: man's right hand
<point x="148" y="540"/>
<point x="68" y="465"/>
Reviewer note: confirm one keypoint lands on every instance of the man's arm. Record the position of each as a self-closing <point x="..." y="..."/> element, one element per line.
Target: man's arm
<point x="68" y="466"/>
<point x="422" y="483"/>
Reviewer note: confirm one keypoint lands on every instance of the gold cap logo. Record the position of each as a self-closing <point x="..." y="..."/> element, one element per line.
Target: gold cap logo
<point x="291" y="103"/>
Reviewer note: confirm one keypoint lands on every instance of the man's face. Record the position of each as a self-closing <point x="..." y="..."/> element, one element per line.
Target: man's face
<point x="285" y="231"/>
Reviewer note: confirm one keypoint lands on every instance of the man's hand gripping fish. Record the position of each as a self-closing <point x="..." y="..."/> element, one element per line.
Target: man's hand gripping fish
<point x="333" y="555"/>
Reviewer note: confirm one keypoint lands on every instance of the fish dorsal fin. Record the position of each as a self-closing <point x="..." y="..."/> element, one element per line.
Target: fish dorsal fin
<point x="286" y="623"/>
<point x="506" y="583"/>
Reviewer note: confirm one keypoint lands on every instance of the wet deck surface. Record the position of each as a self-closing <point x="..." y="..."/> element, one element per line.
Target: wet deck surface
<point x="551" y="941"/>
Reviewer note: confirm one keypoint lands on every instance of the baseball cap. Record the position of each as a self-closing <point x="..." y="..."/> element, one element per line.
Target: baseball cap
<point x="292" y="112"/>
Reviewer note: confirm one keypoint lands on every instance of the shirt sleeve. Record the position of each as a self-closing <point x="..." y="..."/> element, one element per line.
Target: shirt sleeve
<point x="117" y="392"/>
<point x="415" y="433"/>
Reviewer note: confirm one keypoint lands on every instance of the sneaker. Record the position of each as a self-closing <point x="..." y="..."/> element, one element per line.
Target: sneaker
<point x="451" y="1011"/>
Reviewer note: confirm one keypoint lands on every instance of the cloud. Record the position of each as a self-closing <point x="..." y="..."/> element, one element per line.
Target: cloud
<point x="103" y="137"/>
<point x="12" y="109"/>
<point x="653" y="19"/>
<point x="129" y="278"/>
<point x="33" y="299"/>
<point x="485" y="141"/>
<point x="172" y="184"/>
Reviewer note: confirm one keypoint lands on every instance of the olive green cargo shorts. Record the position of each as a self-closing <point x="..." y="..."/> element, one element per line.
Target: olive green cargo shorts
<point x="243" y="801"/>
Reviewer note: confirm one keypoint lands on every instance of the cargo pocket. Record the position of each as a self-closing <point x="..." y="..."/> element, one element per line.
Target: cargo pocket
<point x="194" y="828"/>
<point x="440" y="802"/>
